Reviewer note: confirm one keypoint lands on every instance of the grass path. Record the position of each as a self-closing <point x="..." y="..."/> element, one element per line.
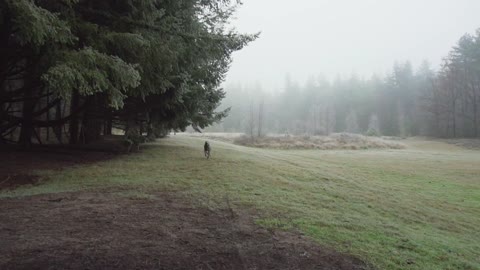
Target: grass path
<point x="417" y="208"/>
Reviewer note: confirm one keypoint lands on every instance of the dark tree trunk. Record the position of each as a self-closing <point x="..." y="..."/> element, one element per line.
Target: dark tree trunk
<point x="92" y="121"/>
<point x="28" y="109"/>
<point x="48" y="118"/>
<point x="108" y="123"/>
<point x="74" y="122"/>
<point x="26" y="131"/>
<point x="58" y="115"/>
<point x="29" y="92"/>
<point x="132" y="130"/>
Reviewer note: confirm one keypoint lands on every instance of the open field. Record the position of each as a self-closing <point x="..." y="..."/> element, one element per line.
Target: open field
<point x="414" y="208"/>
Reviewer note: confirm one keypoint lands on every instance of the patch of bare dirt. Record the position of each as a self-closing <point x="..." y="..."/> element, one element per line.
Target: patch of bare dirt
<point x="11" y="181"/>
<point x="105" y="231"/>
<point x="18" y="167"/>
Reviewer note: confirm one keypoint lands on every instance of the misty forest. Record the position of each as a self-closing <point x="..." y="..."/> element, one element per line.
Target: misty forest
<point x="228" y="134"/>
<point x="409" y="101"/>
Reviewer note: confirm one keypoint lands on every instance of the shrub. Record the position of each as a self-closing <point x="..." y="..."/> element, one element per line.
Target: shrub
<point x="372" y="132"/>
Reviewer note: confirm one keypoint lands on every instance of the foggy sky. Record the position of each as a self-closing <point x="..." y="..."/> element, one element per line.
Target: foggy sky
<point x="305" y="38"/>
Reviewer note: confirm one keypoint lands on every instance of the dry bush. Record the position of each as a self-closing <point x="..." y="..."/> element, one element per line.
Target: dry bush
<point x="216" y="136"/>
<point x="334" y="141"/>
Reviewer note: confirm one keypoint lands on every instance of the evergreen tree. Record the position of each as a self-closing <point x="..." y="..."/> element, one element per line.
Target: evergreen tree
<point x="140" y="66"/>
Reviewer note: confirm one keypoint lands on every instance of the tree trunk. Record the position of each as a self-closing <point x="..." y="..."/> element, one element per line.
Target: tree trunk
<point x="92" y="121"/>
<point x="132" y="130"/>
<point x="26" y="131"/>
<point x="260" y="119"/>
<point x="475" y="115"/>
<point x="108" y="125"/>
<point x="314" y="120"/>
<point x="29" y="103"/>
<point x="58" y="115"/>
<point x="28" y="109"/>
<point x="327" y="125"/>
<point x="73" y="125"/>
<point x="48" y="118"/>
<point x="454" y="119"/>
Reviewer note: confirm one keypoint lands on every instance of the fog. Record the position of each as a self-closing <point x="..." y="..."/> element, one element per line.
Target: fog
<point x="338" y="38"/>
<point x="395" y="68"/>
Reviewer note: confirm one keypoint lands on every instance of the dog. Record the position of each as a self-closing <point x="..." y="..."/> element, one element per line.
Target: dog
<point x="206" y="150"/>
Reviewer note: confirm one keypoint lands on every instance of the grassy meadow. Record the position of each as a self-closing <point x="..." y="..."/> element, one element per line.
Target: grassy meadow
<point x="412" y="208"/>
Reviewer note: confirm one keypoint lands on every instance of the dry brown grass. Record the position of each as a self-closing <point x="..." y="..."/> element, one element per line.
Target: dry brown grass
<point x="335" y="141"/>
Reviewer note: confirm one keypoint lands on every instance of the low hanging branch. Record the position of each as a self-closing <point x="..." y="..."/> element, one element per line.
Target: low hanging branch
<point x="52" y="123"/>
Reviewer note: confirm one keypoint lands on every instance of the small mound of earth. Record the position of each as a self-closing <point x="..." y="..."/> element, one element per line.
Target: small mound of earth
<point x="107" y="231"/>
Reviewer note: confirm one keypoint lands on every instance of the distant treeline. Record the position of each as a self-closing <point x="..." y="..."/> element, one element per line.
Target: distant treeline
<point x="73" y="70"/>
<point x="407" y="102"/>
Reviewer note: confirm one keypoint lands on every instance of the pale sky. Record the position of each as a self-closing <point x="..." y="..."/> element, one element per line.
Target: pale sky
<point x="306" y="38"/>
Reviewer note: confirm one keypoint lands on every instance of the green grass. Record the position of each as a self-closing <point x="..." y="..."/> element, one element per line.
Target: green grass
<point x="417" y="208"/>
